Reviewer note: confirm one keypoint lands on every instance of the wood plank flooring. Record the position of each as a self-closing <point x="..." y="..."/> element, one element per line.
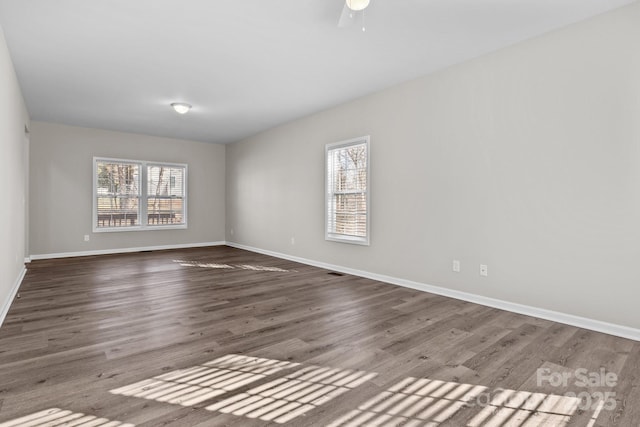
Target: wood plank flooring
<point x="224" y="337"/>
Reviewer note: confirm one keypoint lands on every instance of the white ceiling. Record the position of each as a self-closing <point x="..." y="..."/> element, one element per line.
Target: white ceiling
<point x="245" y="65"/>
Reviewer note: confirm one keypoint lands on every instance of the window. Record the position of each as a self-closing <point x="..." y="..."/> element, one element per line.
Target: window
<point x="347" y="191"/>
<point x="137" y="195"/>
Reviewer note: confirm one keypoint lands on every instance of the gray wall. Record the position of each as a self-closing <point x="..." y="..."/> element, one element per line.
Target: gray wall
<point x="14" y="150"/>
<point x="527" y="160"/>
<point x="61" y="188"/>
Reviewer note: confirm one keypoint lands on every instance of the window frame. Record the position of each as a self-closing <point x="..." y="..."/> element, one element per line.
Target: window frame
<point x="143" y="197"/>
<point x="344" y="238"/>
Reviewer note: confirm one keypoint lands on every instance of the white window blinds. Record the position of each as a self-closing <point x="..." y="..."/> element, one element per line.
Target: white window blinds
<point x="347" y="195"/>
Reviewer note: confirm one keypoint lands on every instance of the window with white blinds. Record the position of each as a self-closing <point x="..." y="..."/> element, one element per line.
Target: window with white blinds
<point x="138" y="195"/>
<point x="347" y="191"/>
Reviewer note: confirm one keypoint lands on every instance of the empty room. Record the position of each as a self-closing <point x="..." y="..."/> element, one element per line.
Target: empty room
<point x="343" y="213"/>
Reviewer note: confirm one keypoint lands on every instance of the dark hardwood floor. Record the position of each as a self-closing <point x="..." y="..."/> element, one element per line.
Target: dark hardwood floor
<point x="224" y="337"/>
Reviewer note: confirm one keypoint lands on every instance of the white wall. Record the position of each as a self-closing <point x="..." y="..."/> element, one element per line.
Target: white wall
<point x="13" y="154"/>
<point x="527" y="160"/>
<point x="61" y="188"/>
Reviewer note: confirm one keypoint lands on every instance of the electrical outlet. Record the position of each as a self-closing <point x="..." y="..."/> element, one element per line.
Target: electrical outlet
<point x="456" y="266"/>
<point x="293" y="240"/>
<point x="484" y="270"/>
<point x="231" y="231"/>
<point x="86" y="237"/>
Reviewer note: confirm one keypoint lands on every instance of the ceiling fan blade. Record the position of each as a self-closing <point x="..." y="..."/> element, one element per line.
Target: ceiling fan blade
<point x="346" y="17"/>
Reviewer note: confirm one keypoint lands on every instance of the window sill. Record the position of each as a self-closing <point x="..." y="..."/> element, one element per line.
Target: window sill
<point x="341" y="238"/>
<point x="140" y="228"/>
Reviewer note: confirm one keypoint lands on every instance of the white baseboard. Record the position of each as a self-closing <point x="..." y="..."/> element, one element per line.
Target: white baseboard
<point x="125" y="250"/>
<point x="7" y="304"/>
<point x="555" y="316"/>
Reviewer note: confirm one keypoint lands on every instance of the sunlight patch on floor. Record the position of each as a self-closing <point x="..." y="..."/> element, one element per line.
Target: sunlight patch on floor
<point x="286" y="398"/>
<point x="425" y="402"/>
<point x="526" y="409"/>
<point x="231" y="267"/>
<point x="196" y="384"/>
<point x="410" y="402"/>
<point x="54" y="417"/>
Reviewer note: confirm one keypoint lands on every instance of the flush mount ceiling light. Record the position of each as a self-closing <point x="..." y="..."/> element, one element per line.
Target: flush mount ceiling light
<point x="181" y="107"/>
<point x="357" y="4"/>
